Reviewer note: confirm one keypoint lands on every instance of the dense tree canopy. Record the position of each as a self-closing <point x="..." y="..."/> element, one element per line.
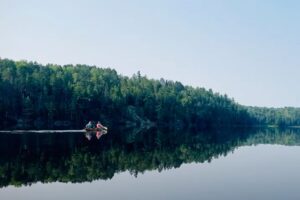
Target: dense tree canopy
<point x="52" y="96"/>
<point x="281" y="117"/>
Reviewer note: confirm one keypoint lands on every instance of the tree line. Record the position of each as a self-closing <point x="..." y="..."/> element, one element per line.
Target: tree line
<point x="53" y="96"/>
<point x="281" y="117"/>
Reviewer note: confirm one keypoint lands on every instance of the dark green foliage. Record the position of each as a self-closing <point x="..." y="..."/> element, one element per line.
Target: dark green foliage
<point x="52" y="96"/>
<point x="281" y="117"/>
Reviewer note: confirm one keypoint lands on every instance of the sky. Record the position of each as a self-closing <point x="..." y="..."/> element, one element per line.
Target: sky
<point x="249" y="50"/>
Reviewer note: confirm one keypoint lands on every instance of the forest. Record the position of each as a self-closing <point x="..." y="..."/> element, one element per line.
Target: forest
<point x="35" y="96"/>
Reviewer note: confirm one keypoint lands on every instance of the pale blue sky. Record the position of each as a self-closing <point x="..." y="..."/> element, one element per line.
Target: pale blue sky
<point x="248" y="49"/>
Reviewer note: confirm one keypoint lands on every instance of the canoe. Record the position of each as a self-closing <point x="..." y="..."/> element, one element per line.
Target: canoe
<point x="96" y="129"/>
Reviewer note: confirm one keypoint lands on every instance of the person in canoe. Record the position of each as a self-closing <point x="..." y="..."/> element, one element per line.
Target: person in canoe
<point x="100" y="126"/>
<point x="95" y="127"/>
<point x="89" y="125"/>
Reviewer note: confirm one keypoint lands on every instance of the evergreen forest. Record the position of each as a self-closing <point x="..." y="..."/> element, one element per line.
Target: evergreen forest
<point x="35" y="96"/>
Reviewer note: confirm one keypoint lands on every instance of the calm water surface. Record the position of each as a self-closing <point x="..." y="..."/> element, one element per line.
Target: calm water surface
<point x="260" y="164"/>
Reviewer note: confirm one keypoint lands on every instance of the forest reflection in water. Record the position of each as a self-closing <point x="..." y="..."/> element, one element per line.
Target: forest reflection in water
<point x="84" y="157"/>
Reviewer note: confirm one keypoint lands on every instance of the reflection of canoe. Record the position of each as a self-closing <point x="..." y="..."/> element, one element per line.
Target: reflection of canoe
<point x="95" y="129"/>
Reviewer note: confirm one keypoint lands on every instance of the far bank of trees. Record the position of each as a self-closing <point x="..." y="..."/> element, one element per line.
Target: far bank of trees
<point x="53" y="96"/>
<point x="282" y="117"/>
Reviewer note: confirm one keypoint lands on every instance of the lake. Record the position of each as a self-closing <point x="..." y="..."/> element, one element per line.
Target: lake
<point x="151" y="164"/>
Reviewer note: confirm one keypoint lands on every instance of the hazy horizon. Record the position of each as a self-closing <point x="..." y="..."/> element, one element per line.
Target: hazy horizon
<point x="247" y="50"/>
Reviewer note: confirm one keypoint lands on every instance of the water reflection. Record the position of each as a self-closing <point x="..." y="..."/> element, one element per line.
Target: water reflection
<point x="98" y="134"/>
<point x="80" y="157"/>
